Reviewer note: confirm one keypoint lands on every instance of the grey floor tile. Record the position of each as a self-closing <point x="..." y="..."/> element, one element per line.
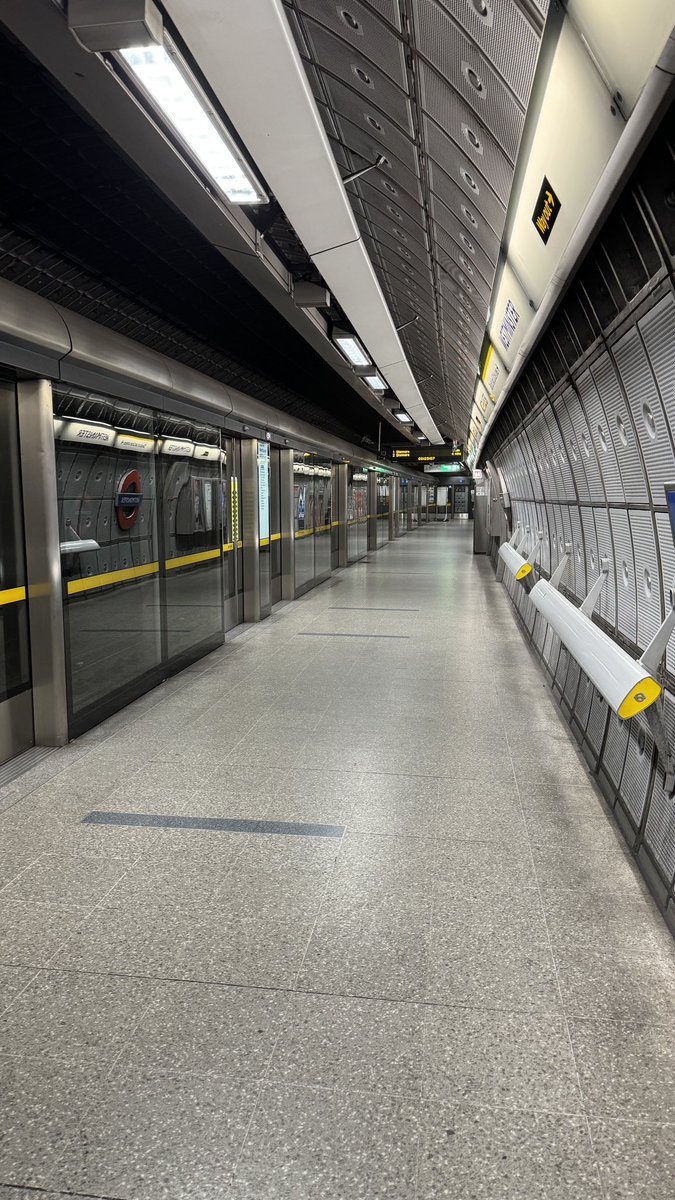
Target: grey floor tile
<point x="304" y="1143"/>
<point x="377" y="950"/>
<point x="67" y="881"/>
<point x="31" y="933"/>
<point x="40" y="1107"/>
<point x="73" y="1018"/>
<point x="595" y="918"/>
<point x="627" y="1069"/>
<point x="351" y="1044"/>
<point x="246" y="890"/>
<point x="253" y="950"/>
<point x="512" y="972"/>
<point x="155" y="882"/>
<point x="302" y="855"/>
<point x="581" y="865"/>
<point x="637" y="1160"/>
<point x="617" y="986"/>
<point x="155" y="1136"/>
<point x="467" y="865"/>
<point x="408" y="816"/>
<point x="399" y="860"/>
<point x="205" y="1029"/>
<point x="12" y="981"/>
<point x="491" y="1155"/>
<point x="504" y="1060"/>
<point x="136" y="940"/>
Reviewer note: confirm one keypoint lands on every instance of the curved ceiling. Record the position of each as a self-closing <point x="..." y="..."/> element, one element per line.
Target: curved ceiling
<point x="440" y="88"/>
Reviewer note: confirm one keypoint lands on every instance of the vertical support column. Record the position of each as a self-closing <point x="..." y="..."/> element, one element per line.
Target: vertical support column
<point x="287" y="527"/>
<point x="393" y="506"/>
<point x="251" y="524"/>
<point x="409" y="514"/>
<point x="372" y="510"/>
<point x="43" y="562"/>
<point x="343" y="528"/>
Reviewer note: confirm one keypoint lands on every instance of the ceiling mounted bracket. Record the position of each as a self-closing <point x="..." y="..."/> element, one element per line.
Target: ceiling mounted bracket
<point x="364" y="170"/>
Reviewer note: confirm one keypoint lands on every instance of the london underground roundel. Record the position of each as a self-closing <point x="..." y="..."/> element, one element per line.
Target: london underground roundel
<point x="128" y="499"/>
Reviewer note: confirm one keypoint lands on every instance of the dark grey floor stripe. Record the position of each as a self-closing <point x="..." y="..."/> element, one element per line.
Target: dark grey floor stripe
<point x="215" y="824"/>
<point x="363" y="608"/>
<point x="398" y="636"/>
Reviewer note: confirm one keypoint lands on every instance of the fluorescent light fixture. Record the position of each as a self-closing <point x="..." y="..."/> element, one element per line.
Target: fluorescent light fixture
<point x="422" y="437"/>
<point x="403" y="417"/>
<point x="165" y="79"/>
<point x="376" y="382"/>
<point x="348" y="343"/>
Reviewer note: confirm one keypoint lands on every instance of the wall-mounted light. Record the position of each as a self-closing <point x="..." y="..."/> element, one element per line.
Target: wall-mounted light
<point x="375" y="381"/>
<point x="403" y="417"/>
<point x="349" y="345"/>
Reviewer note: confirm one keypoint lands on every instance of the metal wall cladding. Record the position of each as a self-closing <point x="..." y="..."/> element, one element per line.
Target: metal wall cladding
<point x="601" y="437"/>
<point x="597" y="722"/>
<point x="624" y="566"/>
<point x="614" y="750"/>
<point x="572" y="443"/>
<point x="506" y="38"/>
<point x="441" y="41"/>
<point x="647" y="411"/>
<point x="666" y="549"/>
<point x="647" y="577"/>
<point x="571" y="684"/>
<point x="637" y="771"/>
<point x="620" y="428"/>
<point x="660" y="824"/>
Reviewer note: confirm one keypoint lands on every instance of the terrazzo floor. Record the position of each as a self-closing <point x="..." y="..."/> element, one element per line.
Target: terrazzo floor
<point x="466" y="992"/>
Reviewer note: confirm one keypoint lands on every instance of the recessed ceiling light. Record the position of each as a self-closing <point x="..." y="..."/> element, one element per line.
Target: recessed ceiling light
<point x="473" y="139"/>
<point x="349" y="20"/>
<point x="469" y="180"/>
<point x="362" y="75"/>
<point x="403" y="417"/>
<point x="375" y="381"/>
<point x="473" y="78"/>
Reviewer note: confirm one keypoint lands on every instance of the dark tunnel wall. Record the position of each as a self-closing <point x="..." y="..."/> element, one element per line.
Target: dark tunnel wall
<point x="585" y="445"/>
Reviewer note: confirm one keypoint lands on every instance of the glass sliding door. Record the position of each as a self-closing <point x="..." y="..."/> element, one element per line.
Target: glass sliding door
<point x="140" y="509"/>
<point x="16" y="706"/>
<point x="190" y="505"/>
<point x="357" y="513"/>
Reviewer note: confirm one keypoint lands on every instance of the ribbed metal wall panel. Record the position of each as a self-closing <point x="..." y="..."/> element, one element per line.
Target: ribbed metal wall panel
<point x="602" y="441"/>
<point x="614" y="752"/>
<point x="625" y="574"/>
<point x="574" y="453"/>
<point x="620" y="425"/>
<point x="660" y="825"/>
<point x="607" y="606"/>
<point x="647" y="577"/>
<point x="647" y="411"/>
<point x="597" y="722"/>
<point x="667" y="558"/>
<point x="637" y="770"/>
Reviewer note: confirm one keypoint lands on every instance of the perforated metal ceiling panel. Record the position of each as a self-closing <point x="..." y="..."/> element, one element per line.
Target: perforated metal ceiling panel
<point x="440" y="89"/>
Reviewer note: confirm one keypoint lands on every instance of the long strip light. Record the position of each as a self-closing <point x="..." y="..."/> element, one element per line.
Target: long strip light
<point x="166" y="80"/>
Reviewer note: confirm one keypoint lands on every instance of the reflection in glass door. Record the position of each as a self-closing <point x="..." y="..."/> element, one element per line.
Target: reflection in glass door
<point x="16" y="704"/>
